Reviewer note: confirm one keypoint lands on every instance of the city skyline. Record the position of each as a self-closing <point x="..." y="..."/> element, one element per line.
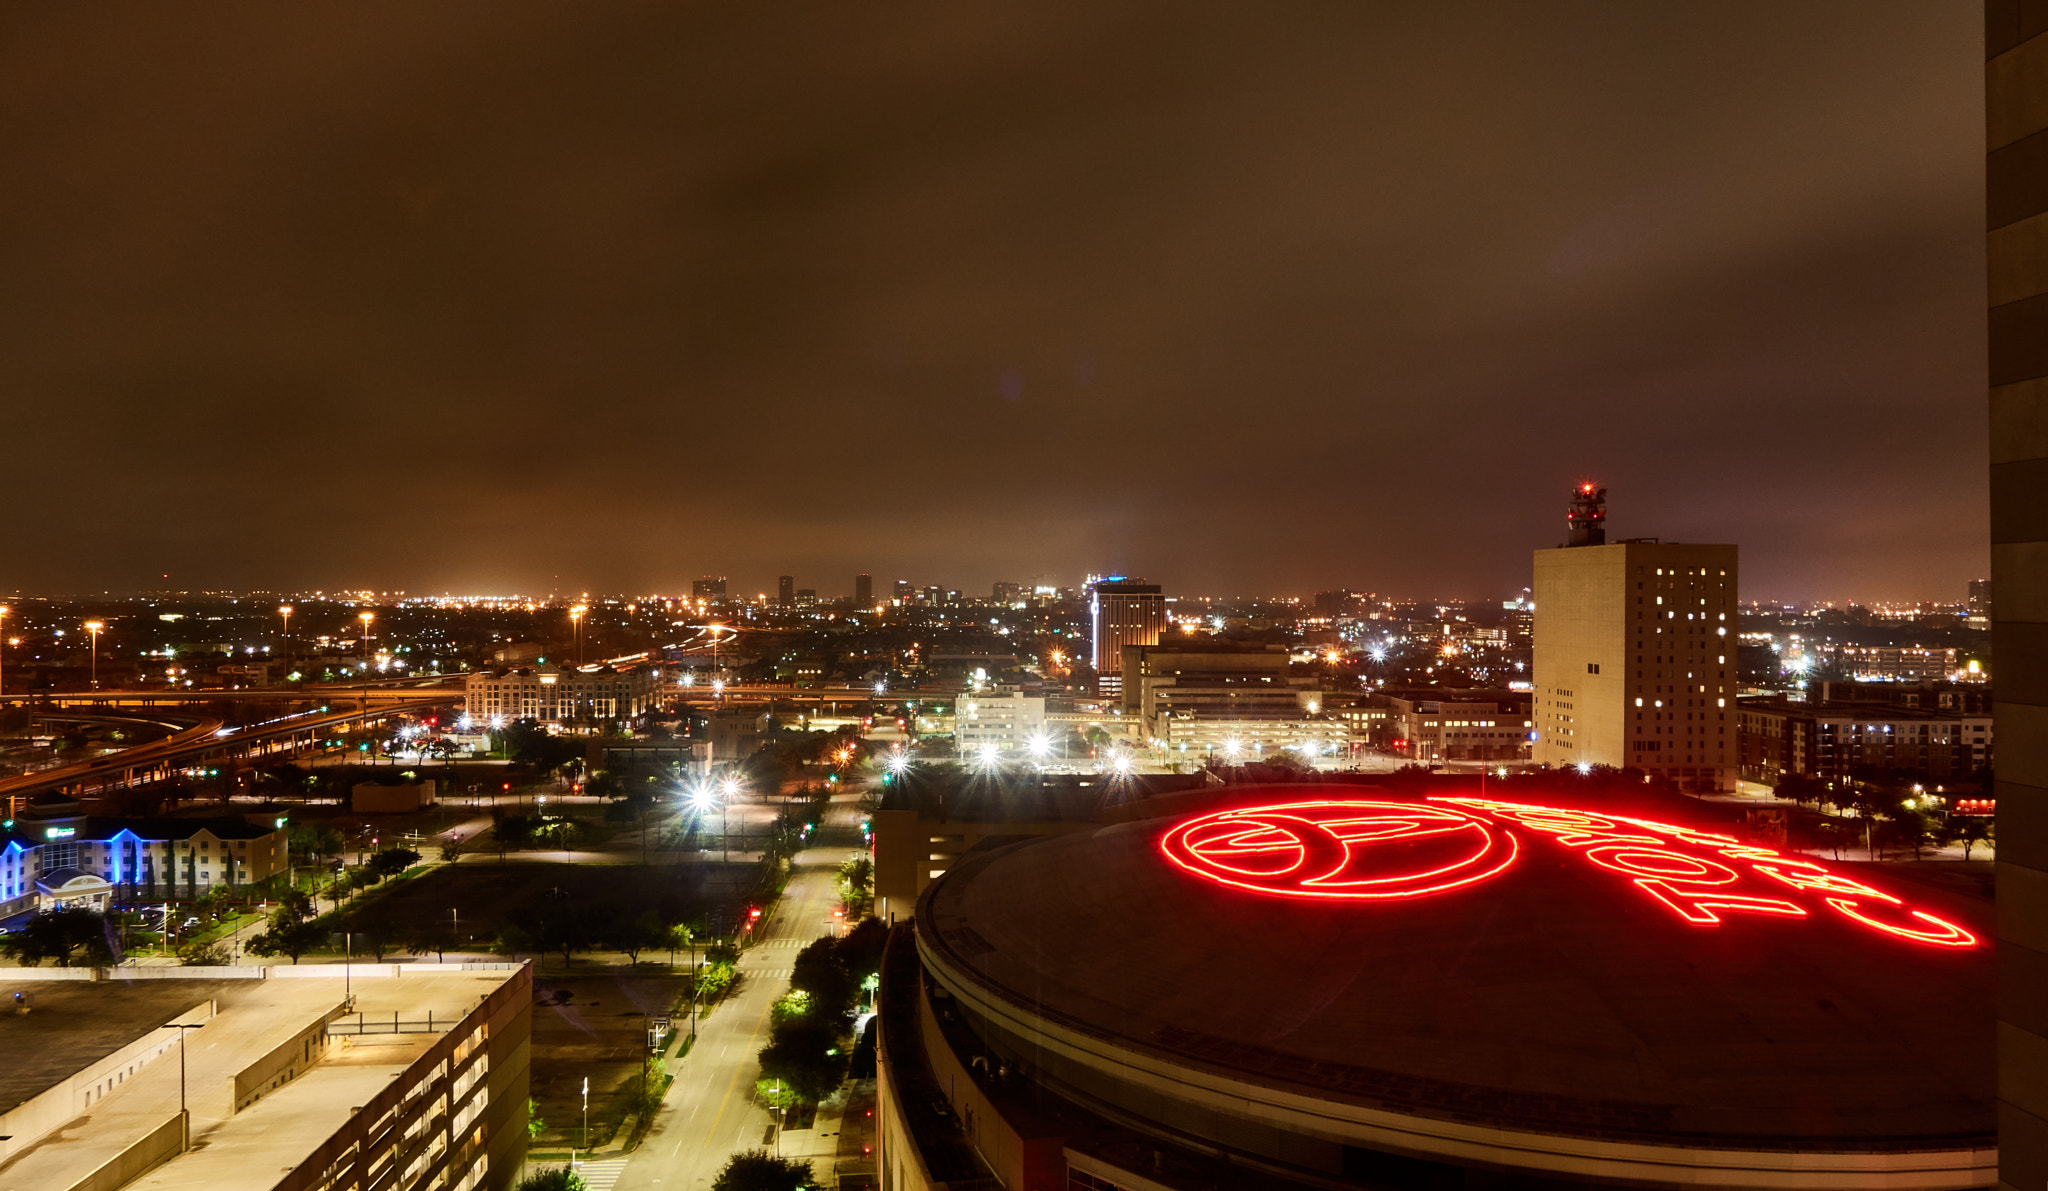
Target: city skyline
<point x="566" y="295"/>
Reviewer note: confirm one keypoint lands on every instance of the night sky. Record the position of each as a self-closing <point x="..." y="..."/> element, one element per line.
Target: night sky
<point x="1244" y="298"/>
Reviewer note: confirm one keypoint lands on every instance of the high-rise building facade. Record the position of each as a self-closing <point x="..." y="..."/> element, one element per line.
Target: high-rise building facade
<point x="1634" y="656"/>
<point x="2016" y="194"/>
<point x="863" y="591"/>
<point x="785" y="591"/>
<point x="1123" y="612"/>
<point x="711" y="588"/>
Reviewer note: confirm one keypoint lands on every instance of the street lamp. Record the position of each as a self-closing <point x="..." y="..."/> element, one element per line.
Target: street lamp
<point x="4" y="610"/>
<point x="364" y="677"/>
<point x="285" y="610"/>
<point x="182" y="1113"/>
<point x="94" y="627"/>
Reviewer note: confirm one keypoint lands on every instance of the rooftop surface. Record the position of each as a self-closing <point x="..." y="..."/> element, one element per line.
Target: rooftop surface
<point x="257" y="1145"/>
<point x="1554" y="995"/>
<point x="73" y="1024"/>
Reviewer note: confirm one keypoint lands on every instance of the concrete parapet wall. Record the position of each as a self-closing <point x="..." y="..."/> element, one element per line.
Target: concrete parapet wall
<point x="161" y="1144"/>
<point x="37" y="1117"/>
<point x="167" y="972"/>
<point x="284" y="1062"/>
<point x="8" y="974"/>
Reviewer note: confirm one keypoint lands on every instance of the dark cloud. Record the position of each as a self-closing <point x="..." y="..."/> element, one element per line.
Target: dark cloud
<point x="518" y="296"/>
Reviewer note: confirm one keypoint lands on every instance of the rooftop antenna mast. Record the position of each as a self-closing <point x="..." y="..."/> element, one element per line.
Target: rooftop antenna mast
<point x="1587" y="516"/>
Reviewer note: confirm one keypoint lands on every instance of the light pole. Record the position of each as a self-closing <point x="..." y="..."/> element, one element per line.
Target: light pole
<point x="285" y="610"/>
<point x="364" y="684"/>
<point x="94" y="627"/>
<point x="731" y="790"/>
<point x="183" y="1114"/>
<point x="4" y="610"/>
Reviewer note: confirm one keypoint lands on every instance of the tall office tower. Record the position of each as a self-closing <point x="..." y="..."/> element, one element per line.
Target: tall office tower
<point x="2016" y="194"/>
<point x="1980" y="597"/>
<point x="1124" y="612"/>
<point x="785" y="591"/>
<point x="710" y="587"/>
<point x="1635" y="653"/>
<point x="863" y="591"/>
<point x="903" y="589"/>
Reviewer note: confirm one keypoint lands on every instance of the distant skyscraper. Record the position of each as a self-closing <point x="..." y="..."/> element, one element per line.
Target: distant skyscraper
<point x="1980" y="597"/>
<point x="864" y="591"/>
<point x="2016" y="205"/>
<point x="1124" y="612"/>
<point x="785" y="591"/>
<point x="710" y="587"/>
<point x="903" y="589"/>
<point x="1635" y="653"/>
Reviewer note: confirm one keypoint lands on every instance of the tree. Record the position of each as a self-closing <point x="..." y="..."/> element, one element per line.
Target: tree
<point x="290" y="932"/>
<point x="389" y="862"/>
<point x="863" y="1063"/>
<point x="552" y="1178"/>
<point x="1835" y="832"/>
<point x="758" y="1170"/>
<point x="861" y="949"/>
<point x="1970" y="830"/>
<point x="775" y="1094"/>
<point x="1905" y="828"/>
<point x="510" y="831"/>
<point x="819" y="971"/>
<point x="1801" y="788"/>
<point x="563" y="929"/>
<point x="633" y="935"/>
<point x="195" y="954"/>
<point x="806" y="1054"/>
<point x="856" y="882"/>
<point x="69" y="934"/>
<point x="450" y="853"/>
<point x="436" y="936"/>
<point x="714" y="980"/>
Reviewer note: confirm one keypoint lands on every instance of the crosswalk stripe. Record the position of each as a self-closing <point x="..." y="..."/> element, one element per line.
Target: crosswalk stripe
<point x="601" y="1175"/>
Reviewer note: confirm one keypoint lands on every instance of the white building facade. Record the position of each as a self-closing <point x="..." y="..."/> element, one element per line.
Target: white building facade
<point x="560" y="695"/>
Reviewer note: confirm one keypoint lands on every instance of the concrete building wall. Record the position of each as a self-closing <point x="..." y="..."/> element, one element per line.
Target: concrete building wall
<point x="2016" y="194"/>
<point x="1580" y="662"/>
<point x="1635" y="659"/>
<point x="456" y="1118"/>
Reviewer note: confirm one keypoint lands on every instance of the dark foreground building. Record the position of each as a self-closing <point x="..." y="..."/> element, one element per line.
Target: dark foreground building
<point x="2016" y="193"/>
<point x="1326" y="987"/>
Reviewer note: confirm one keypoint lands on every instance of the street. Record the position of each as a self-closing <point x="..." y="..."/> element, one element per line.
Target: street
<point x="709" y="1112"/>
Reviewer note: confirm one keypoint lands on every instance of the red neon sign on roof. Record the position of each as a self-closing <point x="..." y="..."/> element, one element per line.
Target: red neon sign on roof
<point x="1365" y="849"/>
<point x="1342" y="849"/>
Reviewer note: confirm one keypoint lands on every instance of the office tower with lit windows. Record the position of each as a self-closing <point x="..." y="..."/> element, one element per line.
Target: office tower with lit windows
<point x="864" y="591"/>
<point x="709" y="589"/>
<point x="785" y="591"/>
<point x="1635" y="654"/>
<point x="1123" y="612"/>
